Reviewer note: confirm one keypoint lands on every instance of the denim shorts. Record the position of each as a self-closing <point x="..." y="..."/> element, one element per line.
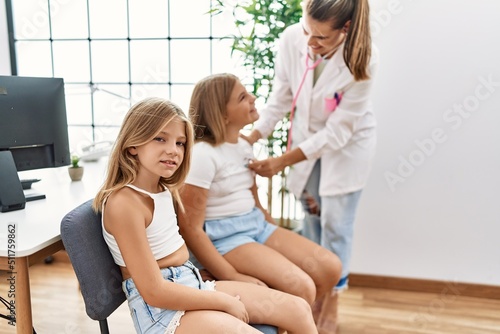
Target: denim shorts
<point x="228" y="233"/>
<point x="153" y="320"/>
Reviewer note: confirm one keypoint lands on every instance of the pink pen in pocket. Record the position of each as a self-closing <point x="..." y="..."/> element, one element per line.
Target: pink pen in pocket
<point x="331" y="103"/>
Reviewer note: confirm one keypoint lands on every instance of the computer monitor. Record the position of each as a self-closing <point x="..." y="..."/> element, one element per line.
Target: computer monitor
<point x="33" y="122"/>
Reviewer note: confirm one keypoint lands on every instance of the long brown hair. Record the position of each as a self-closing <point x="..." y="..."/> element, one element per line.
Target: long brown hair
<point x="357" y="49"/>
<point x="141" y="124"/>
<point x="208" y="107"/>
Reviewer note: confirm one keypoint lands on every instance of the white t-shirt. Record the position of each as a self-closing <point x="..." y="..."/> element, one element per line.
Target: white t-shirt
<point x="222" y="170"/>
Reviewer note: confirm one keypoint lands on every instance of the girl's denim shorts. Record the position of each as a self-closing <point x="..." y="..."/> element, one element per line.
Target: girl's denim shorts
<point x="153" y="320"/>
<point x="228" y="233"/>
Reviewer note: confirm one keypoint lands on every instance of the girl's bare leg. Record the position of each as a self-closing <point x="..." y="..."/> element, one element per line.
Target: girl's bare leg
<point x="289" y="262"/>
<point x="323" y="266"/>
<point x="273" y="268"/>
<point x="272" y="307"/>
<point x="213" y="322"/>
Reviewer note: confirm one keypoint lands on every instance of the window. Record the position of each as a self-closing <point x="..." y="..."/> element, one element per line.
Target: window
<point x="113" y="53"/>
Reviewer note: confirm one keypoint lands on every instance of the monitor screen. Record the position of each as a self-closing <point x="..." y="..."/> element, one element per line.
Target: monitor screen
<point x="33" y="123"/>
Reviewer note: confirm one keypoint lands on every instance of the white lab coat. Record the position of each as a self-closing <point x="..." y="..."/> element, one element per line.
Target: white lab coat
<point x="345" y="140"/>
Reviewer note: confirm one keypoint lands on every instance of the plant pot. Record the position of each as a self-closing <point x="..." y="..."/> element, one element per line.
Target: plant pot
<point x="75" y="173"/>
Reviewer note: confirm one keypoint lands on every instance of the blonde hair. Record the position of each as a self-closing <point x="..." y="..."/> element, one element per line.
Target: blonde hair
<point x="141" y="124"/>
<point x="207" y="110"/>
<point x="357" y="50"/>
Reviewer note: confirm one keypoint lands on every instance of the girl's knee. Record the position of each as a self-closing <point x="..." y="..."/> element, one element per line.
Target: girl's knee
<point x="330" y="279"/>
<point x="328" y="270"/>
<point x="334" y="270"/>
<point x="296" y="282"/>
<point x="302" y="316"/>
<point x="306" y="290"/>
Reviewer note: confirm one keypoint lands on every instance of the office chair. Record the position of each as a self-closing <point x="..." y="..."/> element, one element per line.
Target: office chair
<point x="99" y="277"/>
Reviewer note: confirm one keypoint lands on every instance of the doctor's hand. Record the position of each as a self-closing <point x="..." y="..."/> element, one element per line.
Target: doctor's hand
<point x="268" y="167"/>
<point x="272" y="166"/>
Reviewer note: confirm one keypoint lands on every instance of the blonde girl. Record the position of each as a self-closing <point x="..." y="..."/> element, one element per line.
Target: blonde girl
<point x="226" y="228"/>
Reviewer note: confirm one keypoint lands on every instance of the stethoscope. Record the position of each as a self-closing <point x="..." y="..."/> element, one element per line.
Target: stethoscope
<point x="309" y="67"/>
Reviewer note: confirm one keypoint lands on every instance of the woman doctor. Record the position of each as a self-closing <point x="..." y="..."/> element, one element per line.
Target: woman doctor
<point x="323" y="76"/>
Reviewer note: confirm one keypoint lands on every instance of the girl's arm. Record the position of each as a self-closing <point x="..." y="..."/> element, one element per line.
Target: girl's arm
<point x="126" y="216"/>
<point x="266" y="213"/>
<point x="191" y="223"/>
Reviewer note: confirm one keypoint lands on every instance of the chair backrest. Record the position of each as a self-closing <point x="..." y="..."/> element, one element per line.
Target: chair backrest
<point x="99" y="277"/>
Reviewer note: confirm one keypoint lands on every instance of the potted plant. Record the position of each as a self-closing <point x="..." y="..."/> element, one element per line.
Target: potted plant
<point x="75" y="170"/>
<point x="259" y="24"/>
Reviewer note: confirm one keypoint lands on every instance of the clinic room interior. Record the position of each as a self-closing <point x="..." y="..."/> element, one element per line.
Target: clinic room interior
<point x="425" y="255"/>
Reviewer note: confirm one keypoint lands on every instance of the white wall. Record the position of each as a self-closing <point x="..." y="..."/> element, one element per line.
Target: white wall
<point x="4" y="42"/>
<point x="431" y="209"/>
<point x="440" y="220"/>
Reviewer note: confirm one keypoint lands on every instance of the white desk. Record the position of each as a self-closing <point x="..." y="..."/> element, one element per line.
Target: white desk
<point x="37" y="227"/>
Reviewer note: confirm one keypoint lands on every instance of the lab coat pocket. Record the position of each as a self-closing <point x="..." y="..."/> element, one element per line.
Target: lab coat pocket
<point x="331" y="102"/>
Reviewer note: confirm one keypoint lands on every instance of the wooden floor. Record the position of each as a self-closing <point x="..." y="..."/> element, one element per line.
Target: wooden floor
<point x="58" y="309"/>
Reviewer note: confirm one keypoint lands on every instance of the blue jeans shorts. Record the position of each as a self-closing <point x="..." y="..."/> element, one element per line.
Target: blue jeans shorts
<point x="153" y="320"/>
<point x="228" y="233"/>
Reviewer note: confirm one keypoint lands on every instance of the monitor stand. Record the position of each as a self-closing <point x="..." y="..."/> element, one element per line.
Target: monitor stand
<point x="11" y="192"/>
<point x="33" y="196"/>
<point x="26" y="183"/>
<point x="29" y="194"/>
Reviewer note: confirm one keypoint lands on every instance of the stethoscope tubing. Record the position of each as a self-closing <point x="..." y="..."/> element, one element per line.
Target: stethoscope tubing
<point x="296" y="96"/>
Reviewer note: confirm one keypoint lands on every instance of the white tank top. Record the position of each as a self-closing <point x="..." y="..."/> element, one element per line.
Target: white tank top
<point x="163" y="232"/>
